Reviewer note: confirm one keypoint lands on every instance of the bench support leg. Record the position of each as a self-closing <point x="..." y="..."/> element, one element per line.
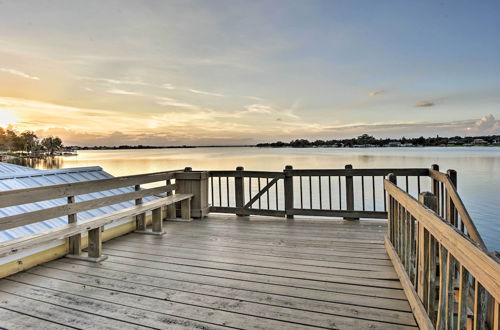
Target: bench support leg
<point x="156" y="223"/>
<point x="171" y="211"/>
<point x="75" y="244"/>
<point x="94" y="247"/>
<point x="140" y="222"/>
<point x="186" y="209"/>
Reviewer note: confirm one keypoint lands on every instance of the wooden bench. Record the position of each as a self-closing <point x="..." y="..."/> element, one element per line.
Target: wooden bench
<point x="95" y="225"/>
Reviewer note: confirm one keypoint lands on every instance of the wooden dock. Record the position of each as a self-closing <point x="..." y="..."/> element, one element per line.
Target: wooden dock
<point x="265" y="252"/>
<point x="220" y="272"/>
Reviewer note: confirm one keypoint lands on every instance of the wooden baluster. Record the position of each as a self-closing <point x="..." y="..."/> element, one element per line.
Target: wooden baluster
<point x="239" y="189"/>
<point x="340" y="194"/>
<point x="267" y="194"/>
<point x="75" y="241"/>
<point x="391" y="216"/>
<point x="443" y="288"/>
<point x="277" y="194"/>
<point x="450" y="301"/>
<point x="432" y="278"/>
<point x="373" y="193"/>
<point x="496" y="315"/>
<point x="288" y="183"/>
<point x="407" y="185"/>
<point x="363" y="192"/>
<point x="301" y="194"/>
<point x="258" y="191"/>
<point x="330" y="191"/>
<point x="227" y="192"/>
<point x="435" y="185"/>
<point x="220" y="190"/>
<point x="429" y="200"/>
<point x="320" y="194"/>
<point x="211" y="188"/>
<point x="413" y="250"/>
<point x="463" y="297"/>
<point x="479" y="307"/>
<point x="310" y="193"/>
<point x="250" y="189"/>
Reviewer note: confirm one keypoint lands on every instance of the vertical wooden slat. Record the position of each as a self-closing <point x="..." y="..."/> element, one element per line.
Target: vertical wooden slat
<point x="310" y="193"/>
<point x="363" y="192"/>
<point x="140" y="219"/>
<point x="227" y="191"/>
<point x="413" y="249"/>
<point x="258" y="191"/>
<point x="432" y="278"/>
<point x="479" y="307"/>
<point x="443" y="288"/>
<point x="340" y="194"/>
<point x="276" y="192"/>
<point x="171" y="210"/>
<point x="75" y="241"/>
<point x="418" y="185"/>
<point x="220" y="190"/>
<point x="463" y="296"/>
<point x="212" y="189"/>
<point x="349" y="189"/>
<point x="407" y="185"/>
<point x="496" y="315"/>
<point x="330" y="191"/>
<point x="267" y="194"/>
<point x="301" y="193"/>
<point x="373" y="193"/>
<point x="320" y="194"/>
<point x="250" y="189"/>
<point x="450" y="301"/>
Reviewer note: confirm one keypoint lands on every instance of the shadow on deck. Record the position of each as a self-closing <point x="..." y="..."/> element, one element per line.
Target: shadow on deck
<point x="220" y="272"/>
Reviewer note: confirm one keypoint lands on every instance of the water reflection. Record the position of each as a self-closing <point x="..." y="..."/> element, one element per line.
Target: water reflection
<point x="48" y="163"/>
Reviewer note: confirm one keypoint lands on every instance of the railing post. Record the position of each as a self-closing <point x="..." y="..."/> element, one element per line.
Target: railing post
<point x="75" y="241"/>
<point x="349" y="191"/>
<point x="391" y="212"/>
<point x="451" y="211"/>
<point x="239" y="189"/>
<point x="140" y="219"/>
<point x="288" y="183"/>
<point x="196" y="183"/>
<point x="434" y="182"/>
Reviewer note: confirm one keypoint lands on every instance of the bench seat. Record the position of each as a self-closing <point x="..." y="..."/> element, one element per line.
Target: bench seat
<point x="93" y="226"/>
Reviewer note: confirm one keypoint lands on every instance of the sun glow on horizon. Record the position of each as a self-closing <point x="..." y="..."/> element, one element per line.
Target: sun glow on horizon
<point x="7" y="118"/>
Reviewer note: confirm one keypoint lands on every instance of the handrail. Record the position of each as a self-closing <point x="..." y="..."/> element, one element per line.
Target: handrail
<point x="349" y="193"/>
<point x="430" y="253"/>
<point x="458" y="205"/>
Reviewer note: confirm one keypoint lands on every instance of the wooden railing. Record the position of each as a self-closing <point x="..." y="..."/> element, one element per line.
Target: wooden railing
<point x="449" y="279"/>
<point x="65" y="200"/>
<point x="450" y="205"/>
<point x="349" y="193"/>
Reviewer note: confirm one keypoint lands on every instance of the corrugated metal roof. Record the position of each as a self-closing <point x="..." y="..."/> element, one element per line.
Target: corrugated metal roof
<point x="20" y="180"/>
<point x="6" y="168"/>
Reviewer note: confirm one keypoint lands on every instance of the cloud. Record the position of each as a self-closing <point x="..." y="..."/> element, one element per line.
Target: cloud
<point x="168" y="86"/>
<point x="19" y="73"/>
<point x="258" y="108"/>
<point x="121" y="92"/>
<point x="486" y="125"/>
<point x="425" y="104"/>
<point x="116" y="81"/>
<point x="376" y="92"/>
<point x="166" y="101"/>
<point x="196" y="91"/>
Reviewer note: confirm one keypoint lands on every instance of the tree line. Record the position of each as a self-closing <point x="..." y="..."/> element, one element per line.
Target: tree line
<point x="28" y="142"/>
<point x="368" y="140"/>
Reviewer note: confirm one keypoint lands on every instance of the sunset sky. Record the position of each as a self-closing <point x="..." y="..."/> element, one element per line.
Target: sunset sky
<point x="233" y="72"/>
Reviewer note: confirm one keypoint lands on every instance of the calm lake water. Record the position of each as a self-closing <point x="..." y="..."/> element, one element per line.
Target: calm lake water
<point x="478" y="168"/>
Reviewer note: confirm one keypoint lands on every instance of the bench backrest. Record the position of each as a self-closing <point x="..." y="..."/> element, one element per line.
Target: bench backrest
<point x="67" y="199"/>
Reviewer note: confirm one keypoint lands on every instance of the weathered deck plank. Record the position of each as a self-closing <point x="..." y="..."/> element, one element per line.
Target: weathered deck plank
<point x="223" y="272"/>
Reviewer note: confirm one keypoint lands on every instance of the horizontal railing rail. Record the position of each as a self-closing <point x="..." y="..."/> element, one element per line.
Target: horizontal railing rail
<point x="450" y="281"/>
<point x="349" y="193"/>
<point x="450" y="205"/>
